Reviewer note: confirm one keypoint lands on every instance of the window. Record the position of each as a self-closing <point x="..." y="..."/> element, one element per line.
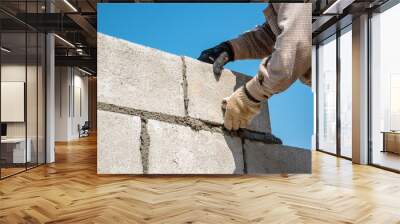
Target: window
<point x="346" y="74"/>
<point x="385" y="89"/>
<point x="329" y="113"/>
<point x="327" y="95"/>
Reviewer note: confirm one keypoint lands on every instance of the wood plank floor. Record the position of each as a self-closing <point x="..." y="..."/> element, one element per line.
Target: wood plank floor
<point x="70" y="191"/>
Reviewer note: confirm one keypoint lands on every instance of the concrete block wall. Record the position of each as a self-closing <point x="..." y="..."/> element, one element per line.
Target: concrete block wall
<point x="160" y="113"/>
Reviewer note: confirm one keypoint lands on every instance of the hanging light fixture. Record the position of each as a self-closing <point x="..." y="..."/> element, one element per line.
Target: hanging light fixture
<point x="5" y="50"/>
<point x="70" y="5"/>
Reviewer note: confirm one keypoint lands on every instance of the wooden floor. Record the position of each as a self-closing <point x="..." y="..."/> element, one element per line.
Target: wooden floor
<point x="5" y="172"/>
<point x="70" y="191"/>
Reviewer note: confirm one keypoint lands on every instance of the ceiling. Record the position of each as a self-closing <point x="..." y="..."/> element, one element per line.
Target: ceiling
<point x="332" y="15"/>
<point x="74" y="22"/>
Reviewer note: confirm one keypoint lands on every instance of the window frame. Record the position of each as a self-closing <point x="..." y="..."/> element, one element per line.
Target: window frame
<point x="338" y="26"/>
<point x="339" y="32"/>
<point x="381" y="9"/>
<point x="31" y="30"/>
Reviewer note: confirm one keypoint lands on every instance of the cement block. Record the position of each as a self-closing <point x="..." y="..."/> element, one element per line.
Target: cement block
<point x="267" y="158"/>
<point x="139" y="77"/>
<point x="206" y="91"/>
<point x="176" y="149"/>
<point x="118" y="144"/>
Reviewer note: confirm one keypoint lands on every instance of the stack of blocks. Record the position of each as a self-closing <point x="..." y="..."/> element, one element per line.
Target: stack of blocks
<point x="160" y="113"/>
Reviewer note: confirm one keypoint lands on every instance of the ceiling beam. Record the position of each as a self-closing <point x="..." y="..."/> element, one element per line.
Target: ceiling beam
<point x="337" y="7"/>
<point x="81" y="61"/>
<point x="86" y="26"/>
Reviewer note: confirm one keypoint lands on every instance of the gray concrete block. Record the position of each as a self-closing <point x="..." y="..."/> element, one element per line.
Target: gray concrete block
<point x="139" y="77"/>
<point x="205" y="93"/>
<point x="176" y="149"/>
<point x="118" y="144"/>
<point x="267" y="158"/>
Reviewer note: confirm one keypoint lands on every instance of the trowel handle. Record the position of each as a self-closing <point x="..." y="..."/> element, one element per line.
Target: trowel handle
<point x="219" y="63"/>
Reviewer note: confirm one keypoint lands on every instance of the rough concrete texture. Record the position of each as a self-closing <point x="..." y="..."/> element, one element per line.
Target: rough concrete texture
<point x="206" y="91"/>
<point x="264" y="158"/>
<point x="118" y="144"/>
<point x="139" y="77"/>
<point x="161" y="114"/>
<point x="185" y="121"/>
<point x="176" y="149"/>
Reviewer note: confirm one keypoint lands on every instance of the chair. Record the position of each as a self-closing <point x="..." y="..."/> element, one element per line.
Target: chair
<point x="84" y="130"/>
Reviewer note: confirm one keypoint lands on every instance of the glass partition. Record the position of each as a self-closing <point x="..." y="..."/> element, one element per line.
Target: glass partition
<point x="33" y="64"/>
<point x="327" y="95"/>
<point x="346" y="92"/>
<point x="13" y="95"/>
<point x="385" y="89"/>
<point x="23" y="90"/>
<point x="31" y="100"/>
<point x="41" y="107"/>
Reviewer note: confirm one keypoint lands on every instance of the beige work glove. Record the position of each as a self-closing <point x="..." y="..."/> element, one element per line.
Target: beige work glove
<point x="239" y="110"/>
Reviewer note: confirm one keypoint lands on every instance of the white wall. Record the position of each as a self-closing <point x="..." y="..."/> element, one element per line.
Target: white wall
<point x="62" y="82"/>
<point x="14" y="72"/>
<point x="70" y="83"/>
<point x="33" y="127"/>
<point x="13" y="101"/>
<point x="17" y="72"/>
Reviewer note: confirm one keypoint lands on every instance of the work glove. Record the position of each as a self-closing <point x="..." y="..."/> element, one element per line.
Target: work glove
<point x="240" y="108"/>
<point x="218" y="56"/>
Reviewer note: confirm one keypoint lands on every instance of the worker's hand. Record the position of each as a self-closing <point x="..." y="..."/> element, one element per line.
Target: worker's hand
<point x="239" y="110"/>
<point x="218" y="56"/>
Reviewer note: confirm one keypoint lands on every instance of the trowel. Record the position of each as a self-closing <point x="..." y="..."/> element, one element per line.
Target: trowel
<point x="267" y="138"/>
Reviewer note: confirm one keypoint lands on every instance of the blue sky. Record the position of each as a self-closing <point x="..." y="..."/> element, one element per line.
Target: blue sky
<point x="187" y="29"/>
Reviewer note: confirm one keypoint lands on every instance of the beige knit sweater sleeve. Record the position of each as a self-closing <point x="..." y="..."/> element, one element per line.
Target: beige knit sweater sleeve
<point x="254" y="44"/>
<point x="288" y="58"/>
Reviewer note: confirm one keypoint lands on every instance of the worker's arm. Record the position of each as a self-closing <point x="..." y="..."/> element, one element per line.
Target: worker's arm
<point x="254" y="44"/>
<point x="290" y="58"/>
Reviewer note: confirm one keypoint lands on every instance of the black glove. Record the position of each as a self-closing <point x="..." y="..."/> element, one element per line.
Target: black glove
<point x="218" y="56"/>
